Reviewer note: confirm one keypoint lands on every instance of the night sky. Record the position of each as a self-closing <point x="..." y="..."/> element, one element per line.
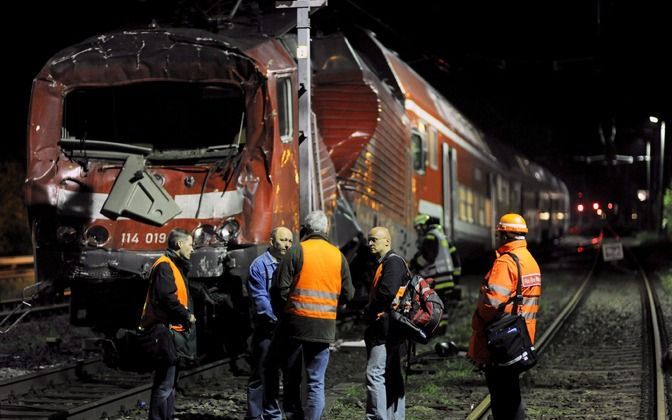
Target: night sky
<point x="542" y="76"/>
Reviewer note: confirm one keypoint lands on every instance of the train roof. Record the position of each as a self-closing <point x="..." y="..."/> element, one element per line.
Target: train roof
<point x="146" y="54"/>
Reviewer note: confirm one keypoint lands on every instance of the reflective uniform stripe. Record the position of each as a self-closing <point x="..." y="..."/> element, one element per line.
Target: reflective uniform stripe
<point x="317" y="288"/>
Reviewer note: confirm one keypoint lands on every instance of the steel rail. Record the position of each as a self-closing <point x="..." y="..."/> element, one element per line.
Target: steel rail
<point x="481" y="410"/>
<point x="655" y="330"/>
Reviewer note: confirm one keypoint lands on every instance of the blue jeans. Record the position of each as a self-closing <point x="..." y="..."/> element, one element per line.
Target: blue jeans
<point x="257" y="407"/>
<point x="385" y="395"/>
<point x="162" y="402"/>
<point x="315" y="359"/>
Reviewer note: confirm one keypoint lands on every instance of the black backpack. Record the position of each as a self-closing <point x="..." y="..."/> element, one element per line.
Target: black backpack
<point x="419" y="310"/>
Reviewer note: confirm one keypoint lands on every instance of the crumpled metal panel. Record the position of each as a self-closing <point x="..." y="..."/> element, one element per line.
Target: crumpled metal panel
<point x="363" y="128"/>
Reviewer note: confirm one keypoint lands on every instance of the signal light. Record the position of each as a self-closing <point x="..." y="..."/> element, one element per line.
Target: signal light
<point x="610" y="206"/>
<point x="579" y="208"/>
<point x="596" y="206"/>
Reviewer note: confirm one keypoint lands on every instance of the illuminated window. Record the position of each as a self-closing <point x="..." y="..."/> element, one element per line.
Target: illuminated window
<point x="285" y="107"/>
<point x="433" y="149"/>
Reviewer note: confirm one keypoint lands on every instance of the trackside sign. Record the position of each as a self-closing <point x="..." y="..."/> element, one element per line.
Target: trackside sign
<point x="612" y="251"/>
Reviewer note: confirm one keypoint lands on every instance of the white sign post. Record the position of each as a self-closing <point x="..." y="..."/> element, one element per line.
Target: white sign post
<point x="612" y="251"/>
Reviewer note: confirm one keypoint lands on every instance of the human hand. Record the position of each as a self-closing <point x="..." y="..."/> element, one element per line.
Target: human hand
<point x="192" y="319"/>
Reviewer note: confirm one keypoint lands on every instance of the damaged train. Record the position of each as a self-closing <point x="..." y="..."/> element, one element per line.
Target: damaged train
<point x="134" y="133"/>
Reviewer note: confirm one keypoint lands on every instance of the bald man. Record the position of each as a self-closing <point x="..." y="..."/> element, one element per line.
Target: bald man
<point x="384" y="381"/>
<point x="261" y="273"/>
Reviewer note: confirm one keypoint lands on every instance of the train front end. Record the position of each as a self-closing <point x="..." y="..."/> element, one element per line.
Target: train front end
<point x="134" y="134"/>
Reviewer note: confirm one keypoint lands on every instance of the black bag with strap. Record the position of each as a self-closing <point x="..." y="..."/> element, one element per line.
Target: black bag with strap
<point x="508" y="339"/>
<point x="141" y="350"/>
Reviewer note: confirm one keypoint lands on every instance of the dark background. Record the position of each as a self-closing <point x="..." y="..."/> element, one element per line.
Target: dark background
<point x="544" y="76"/>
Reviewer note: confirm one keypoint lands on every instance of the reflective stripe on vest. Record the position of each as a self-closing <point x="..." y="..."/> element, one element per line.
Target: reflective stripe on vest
<point x="317" y="288"/>
<point x="443" y="262"/>
<point x="181" y="285"/>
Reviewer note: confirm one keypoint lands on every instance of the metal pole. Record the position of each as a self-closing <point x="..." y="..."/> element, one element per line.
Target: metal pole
<point x="649" y="206"/>
<point x="661" y="186"/>
<point x="305" y="132"/>
<point x="307" y="171"/>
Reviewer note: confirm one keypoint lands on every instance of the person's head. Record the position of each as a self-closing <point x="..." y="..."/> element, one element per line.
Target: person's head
<point x="316" y="222"/>
<point x="511" y="227"/>
<point x="281" y="241"/>
<point x="420" y="221"/>
<point x="180" y="241"/>
<point x="380" y="241"/>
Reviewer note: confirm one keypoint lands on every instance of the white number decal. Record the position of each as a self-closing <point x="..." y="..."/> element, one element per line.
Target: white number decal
<point x="150" y="238"/>
<point x="129" y="238"/>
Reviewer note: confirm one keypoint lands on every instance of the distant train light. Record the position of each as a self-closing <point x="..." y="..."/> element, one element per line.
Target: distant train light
<point x="560" y="216"/>
<point x="642" y="195"/>
<point x="544" y="215"/>
<point x="599" y="212"/>
<point x="596" y="206"/>
<point x="610" y="206"/>
<point x="579" y="208"/>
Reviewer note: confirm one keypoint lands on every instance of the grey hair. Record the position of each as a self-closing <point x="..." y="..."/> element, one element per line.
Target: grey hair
<point x="317" y="221"/>
<point x="176" y="235"/>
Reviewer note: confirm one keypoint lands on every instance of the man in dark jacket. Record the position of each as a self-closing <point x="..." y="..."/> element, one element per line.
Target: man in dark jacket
<point x="385" y="396"/>
<point x="169" y="302"/>
<point x="311" y="278"/>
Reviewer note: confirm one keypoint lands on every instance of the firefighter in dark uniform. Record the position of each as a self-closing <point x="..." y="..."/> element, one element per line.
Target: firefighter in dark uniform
<point x="436" y="257"/>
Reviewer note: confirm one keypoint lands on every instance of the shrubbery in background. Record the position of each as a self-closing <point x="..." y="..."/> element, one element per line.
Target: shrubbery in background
<point x="14" y="230"/>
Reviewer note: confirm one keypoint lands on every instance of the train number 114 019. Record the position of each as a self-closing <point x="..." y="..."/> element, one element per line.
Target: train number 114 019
<point x="149" y="238"/>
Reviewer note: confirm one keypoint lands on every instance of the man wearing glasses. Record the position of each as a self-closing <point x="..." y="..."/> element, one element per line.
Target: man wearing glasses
<point x="384" y="386"/>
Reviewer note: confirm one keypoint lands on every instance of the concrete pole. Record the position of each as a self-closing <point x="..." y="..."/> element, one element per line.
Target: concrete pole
<point x="661" y="185"/>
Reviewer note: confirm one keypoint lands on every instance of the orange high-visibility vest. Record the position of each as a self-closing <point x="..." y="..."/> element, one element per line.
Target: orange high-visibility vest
<point x="497" y="293"/>
<point x="376" y="279"/>
<point x="181" y="285"/>
<point x="317" y="288"/>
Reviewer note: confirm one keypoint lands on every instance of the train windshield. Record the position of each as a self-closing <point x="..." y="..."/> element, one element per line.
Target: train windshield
<point x="162" y="120"/>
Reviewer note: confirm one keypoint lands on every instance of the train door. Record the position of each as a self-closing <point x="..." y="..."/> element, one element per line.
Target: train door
<point x="449" y="179"/>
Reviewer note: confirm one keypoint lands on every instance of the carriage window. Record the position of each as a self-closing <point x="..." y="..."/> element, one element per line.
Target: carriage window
<point x="285" y="107"/>
<point x="433" y="149"/>
<point x="419" y="153"/>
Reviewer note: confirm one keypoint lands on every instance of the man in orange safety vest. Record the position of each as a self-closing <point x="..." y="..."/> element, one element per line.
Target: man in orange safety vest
<point x="497" y="294"/>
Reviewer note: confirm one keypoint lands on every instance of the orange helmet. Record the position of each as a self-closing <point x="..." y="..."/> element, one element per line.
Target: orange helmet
<point x="512" y="222"/>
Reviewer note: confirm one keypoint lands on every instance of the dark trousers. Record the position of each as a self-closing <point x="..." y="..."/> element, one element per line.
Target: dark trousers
<point x="162" y="402"/>
<point x="505" y="400"/>
<point x="257" y="407"/>
<point x="286" y="358"/>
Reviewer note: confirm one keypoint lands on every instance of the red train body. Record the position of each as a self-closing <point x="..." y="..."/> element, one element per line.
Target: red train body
<point x="134" y="133"/>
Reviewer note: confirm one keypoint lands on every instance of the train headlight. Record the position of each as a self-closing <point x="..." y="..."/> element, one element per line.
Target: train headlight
<point x="66" y="234"/>
<point x="203" y="235"/>
<point x="96" y="235"/>
<point x="229" y="230"/>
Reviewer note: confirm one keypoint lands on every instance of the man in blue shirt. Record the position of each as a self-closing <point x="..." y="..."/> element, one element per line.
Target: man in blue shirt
<point x="259" y="283"/>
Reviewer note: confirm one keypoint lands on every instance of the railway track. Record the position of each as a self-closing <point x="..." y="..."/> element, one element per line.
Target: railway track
<point x="87" y="390"/>
<point x="601" y="356"/>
